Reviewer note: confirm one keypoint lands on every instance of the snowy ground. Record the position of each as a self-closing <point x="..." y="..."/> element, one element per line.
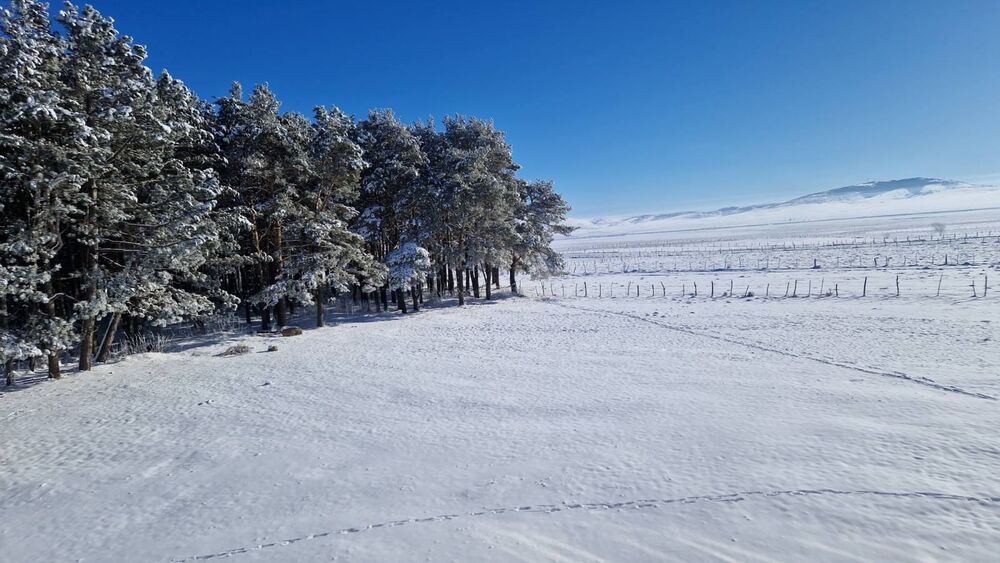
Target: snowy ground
<point x="663" y="426"/>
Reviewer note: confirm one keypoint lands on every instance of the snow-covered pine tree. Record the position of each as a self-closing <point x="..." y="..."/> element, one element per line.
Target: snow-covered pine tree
<point x="193" y="144"/>
<point x="390" y="211"/>
<point x="294" y="181"/>
<point x="261" y="161"/>
<point x="540" y="215"/>
<point x="388" y="183"/>
<point x="147" y="215"/>
<point x="168" y="233"/>
<point x="470" y="181"/>
<point x="408" y="266"/>
<point x="43" y="136"/>
<point x="494" y="199"/>
<point x="320" y="251"/>
<point x="106" y="82"/>
<point x="432" y="205"/>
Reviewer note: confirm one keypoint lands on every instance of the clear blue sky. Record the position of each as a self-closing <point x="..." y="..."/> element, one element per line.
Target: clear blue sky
<point x="630" y="106"/>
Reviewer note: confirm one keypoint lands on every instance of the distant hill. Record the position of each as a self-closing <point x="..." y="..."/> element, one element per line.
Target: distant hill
<point x="909" y="195"/>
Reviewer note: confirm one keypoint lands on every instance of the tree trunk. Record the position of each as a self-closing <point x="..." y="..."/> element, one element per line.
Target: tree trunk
<point x="243" y="295"/>
<point x="134" y="326"/>
<point x="416" y="304"/>
<point x="451" y="281"/>
<point x="90" y="278"/>
<point x="496" y="277"/>
<point x="87" y="344"/>
<point x="109" y="338"/>
<point x="8" y="368"/>
<point x="50" y="310"/>
<point x="54" y="372"/>
<point x="488" y="273"/>
<point x="475" y="280"/>
<point x="318" y="298"/>
<point x="281" y="312"/>
<point x="513" y="279"/>
<point x="401" y="301"/>
<point x="461" y="287"/>
<point x="87" y="330"/>
<point x="265" y="318"/>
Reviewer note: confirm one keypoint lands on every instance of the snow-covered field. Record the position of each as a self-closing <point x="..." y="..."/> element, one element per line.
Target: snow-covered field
<point x="663" y="426"/>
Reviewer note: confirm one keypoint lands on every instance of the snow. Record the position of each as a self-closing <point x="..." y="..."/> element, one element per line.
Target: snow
<point x="914" y="196"/>
<point x="574" y="428"/>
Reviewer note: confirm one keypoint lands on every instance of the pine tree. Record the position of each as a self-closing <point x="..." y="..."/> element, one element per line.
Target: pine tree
<point x="42" y="138"/>
<point x="408" y="266"/>
<point x="147" y="215"/>
<point x="167" y="233"/>
<point x="260" y="161"/>
<point x="469" y="195"/>
<point x="294" y="182"/>
<point x="321" y="251"/>
<point x="541" y="214"/>
<point x="389" y="182"/>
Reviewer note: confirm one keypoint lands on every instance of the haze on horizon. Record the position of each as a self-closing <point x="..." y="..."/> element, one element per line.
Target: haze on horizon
<point x="644" y="107"/>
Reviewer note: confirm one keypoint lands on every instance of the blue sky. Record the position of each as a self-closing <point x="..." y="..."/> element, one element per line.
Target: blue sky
<point x="630" y="106"/>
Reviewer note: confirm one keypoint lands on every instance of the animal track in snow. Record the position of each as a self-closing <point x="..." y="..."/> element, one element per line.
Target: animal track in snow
<point x="919" y="380"/>
<point x="630" y="504"/>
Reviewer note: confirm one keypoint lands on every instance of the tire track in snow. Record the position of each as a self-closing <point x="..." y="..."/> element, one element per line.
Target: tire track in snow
<point x="919" y="380"/>
<point x="592" y="506"/>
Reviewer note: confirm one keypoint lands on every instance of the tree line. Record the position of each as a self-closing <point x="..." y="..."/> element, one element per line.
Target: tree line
<point x="126" y="201"/>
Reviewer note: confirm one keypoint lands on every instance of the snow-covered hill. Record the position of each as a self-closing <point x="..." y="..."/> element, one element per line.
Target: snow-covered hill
<point x="870" y="199"/>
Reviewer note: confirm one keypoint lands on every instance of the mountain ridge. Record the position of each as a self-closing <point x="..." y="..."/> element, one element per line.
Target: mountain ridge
<point x="906" y="195"/>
